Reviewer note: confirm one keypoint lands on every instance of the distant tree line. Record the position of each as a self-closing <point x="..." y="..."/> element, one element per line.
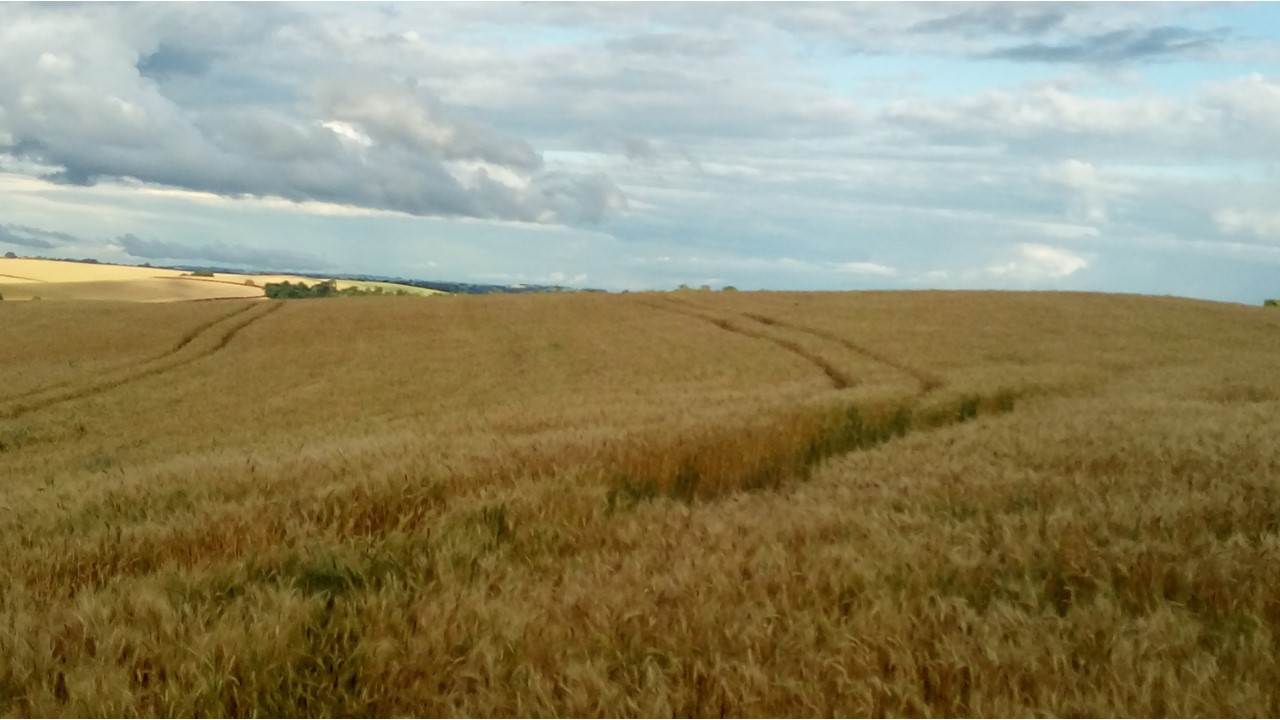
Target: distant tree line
<point x="328" y="288"/>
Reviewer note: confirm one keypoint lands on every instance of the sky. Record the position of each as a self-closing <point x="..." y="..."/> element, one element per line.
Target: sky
<point x="1112" y="147"/>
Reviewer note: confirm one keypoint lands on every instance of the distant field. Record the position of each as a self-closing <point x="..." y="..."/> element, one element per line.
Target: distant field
<point x="343" y="284"/>
<point x="28" y="279"/>
<point x="744" y="504"/>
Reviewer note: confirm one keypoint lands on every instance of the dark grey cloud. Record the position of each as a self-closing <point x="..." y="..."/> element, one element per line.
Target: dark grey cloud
<point x="584" y="198"/>
<point x="674" y="44"/>
<point x="638" y="149"/>
<point x="170" y="60"/>
<point x="27" y="236"/>
<point x="219" y="252"/>
<point x="1121" y="46"/>
<point x="1003" y="18"/>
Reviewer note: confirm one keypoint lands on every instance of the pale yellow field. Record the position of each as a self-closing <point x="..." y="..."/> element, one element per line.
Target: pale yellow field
<point x="342" y="284"/>
<point x="27" y="279"/>
<point x="973" y="504"/>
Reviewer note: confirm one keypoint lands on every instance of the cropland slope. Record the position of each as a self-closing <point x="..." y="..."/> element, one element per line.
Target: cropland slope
<point x="38" y="279"/>
<point x="647" y="504"/>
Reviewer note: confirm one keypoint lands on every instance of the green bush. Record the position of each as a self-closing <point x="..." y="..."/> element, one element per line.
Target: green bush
<point x="1271" y="303"/>
<point x="299" y="290"/>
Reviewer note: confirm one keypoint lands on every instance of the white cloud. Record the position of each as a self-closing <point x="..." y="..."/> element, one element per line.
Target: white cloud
<point x="1088" y="201"/>
<point x="1248" y="106"/>
<point x="1262" y="224"/>
<point x="557" y="277"/>
<point x="348" y="132"/>
<point x="865" y="268"/>
<point x="1033" y="261"/>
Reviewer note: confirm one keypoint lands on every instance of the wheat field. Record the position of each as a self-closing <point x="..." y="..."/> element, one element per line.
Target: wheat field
<point x="694" y="504"/>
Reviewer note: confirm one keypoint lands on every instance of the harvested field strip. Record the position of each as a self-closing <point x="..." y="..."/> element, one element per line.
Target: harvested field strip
<point x="186" y="338"/>
<point x="839" y="380"/>
<point x="191" y="278"/>
<point x="161" y="363"/>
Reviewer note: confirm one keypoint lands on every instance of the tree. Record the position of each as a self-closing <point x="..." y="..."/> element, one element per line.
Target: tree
<point x="11" y="255"/>
<point x="327" y="288"/>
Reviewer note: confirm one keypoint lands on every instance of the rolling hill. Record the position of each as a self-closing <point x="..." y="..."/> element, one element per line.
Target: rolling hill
<point x="772" y="504"/>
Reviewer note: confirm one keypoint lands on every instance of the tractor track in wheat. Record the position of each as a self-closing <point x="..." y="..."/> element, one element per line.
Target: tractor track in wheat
<point x="927" y="381"/>
<point x="228" y="325"/>
<point x="838" y="378"/>
<point x="183" y="341"/>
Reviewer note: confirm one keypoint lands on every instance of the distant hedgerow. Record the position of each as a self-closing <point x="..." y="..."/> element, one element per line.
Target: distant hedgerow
<point x="329" y="288"/>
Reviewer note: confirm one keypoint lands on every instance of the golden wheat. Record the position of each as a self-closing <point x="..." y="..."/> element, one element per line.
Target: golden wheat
<point x="689" y="504"/>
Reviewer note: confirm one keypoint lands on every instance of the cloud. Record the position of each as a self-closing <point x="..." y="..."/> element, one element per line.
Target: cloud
<point x="1121" y="46"/>
<point x="218" y="252"/>
<point x="414" y="120"/>
<point x="81" y="94"/>
<point x="1262" y="224"/>
<point x="1003" y="18"/>
<point x="668" y="44"/>
<point x="27" y="236"/>
<point x="764" y="266"/>
<point x="1037" y="262"/>
<point x="556" y="277"/>
<point x="1248" y="108"/>
<point x="169" y="61"/>
<point x="1048" y="121"/>
<point x="574" y="113"/>
<point x="1089" y="202"/>
<point x="864" y="268"/>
